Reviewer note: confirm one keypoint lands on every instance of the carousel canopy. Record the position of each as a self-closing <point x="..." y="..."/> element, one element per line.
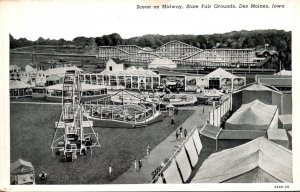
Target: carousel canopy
<point x="15" y="84"/>
<point x="220" y="73"/>
<point x="257" y="161"/>
<point x="85" y="87"/>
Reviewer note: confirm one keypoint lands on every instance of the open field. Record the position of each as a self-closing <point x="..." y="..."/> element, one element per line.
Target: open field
<point x="44" y="59"/>
<point x="32" y="131"/>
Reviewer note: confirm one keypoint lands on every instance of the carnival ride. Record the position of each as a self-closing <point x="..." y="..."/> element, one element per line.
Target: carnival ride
<point x="184" y="54"/>
<point x="179" y="99"/>
<point x="124" y="110"/>
<point x="71" y="135"/>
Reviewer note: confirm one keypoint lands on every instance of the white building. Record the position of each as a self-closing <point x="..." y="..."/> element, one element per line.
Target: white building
<point x="113" y="66"/>
<point x="158" y="62"/>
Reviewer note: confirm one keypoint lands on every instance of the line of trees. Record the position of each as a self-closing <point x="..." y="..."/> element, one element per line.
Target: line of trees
<point x="278" y="40"/>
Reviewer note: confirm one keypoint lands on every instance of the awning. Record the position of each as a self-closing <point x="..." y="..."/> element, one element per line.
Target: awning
<point x="210" y="131"/>
<point x="15" y="84"/>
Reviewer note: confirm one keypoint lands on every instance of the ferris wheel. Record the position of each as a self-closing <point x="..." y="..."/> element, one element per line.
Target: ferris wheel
<point x="73" y="134"/>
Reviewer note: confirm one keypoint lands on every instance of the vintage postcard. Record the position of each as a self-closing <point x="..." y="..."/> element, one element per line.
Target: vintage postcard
<point x="153" y="94"/>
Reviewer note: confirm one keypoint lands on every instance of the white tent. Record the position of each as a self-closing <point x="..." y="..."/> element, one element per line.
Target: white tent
<point x="284" y="72"/>
<point x="258" y="161"/>
<point x="253" y="116"/>
<point x="158" y="62"/>
<point x="14" y="84"/>
<point x="220" y="73"/>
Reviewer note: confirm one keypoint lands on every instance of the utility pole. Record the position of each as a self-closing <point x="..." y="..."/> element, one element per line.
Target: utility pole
<point x="279" y="65"/>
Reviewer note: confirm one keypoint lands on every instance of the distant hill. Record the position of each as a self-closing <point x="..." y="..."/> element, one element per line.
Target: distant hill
<point x="278" y="40"/>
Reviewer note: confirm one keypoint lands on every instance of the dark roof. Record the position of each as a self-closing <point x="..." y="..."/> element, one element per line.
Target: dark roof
<point x="275" y="80"/>
<point x="257" y="87"/>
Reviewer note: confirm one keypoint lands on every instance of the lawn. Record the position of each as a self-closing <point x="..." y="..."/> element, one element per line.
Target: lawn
<point x="31" y="135"/>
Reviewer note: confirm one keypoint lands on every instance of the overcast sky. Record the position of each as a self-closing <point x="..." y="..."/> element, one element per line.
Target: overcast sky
<point x="68" y="19"/>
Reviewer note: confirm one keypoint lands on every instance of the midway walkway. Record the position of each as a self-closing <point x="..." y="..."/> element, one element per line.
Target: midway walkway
<point x="163" y="150"/>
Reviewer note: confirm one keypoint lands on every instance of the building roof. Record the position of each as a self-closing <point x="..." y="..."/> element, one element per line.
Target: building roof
<point x="239" y="162"/>
<point x="60" y="70"/>
<point x="254" y="113"/>
<point x="256" y="86"/>
<point x="20" y="162"/>
<point x="286" y="119"/>
<point x="282" y="81"/>
<point x="15" y="84"/>
<point x="112" y="61"/>
<point x="130" y="71"/>
<point x="162" y="62"/>
<point x="277" y="134"/>
<point x="284" y="72"/>
<point x="11" y="67"/>
<point x="29" y="68"/>
<point x="210" y="131"/>
<point x="220" y="73"/>
<point x="85" y="87"/>
<point x="53" y="78"/>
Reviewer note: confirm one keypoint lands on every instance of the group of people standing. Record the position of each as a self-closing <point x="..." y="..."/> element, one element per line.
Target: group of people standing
<point x="180" y="133"/>
<point x="136" y="164"/>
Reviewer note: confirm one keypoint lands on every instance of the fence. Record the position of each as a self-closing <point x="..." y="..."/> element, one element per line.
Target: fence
<point x="182" y="160"/>
<point x="215" y="116"/>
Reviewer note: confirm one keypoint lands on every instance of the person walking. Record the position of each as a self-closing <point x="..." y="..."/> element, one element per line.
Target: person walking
<point x="172" y="122"/>
<point x="135" y="164"/>
<point x="203" y="110"/>
<point x="185" y="133"/>
<point x="140" y="164"/>
<point x="180" y="131"/>
<point x="176" y="134"/>
<point x="148" y="151"/>
<point x="110" y="172"/>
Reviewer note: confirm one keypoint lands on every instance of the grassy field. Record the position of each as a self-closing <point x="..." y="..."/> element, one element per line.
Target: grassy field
<point x="31" y="135"/>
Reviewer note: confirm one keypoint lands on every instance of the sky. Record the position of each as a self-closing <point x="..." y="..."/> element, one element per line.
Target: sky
<point x="69" y="19"/>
